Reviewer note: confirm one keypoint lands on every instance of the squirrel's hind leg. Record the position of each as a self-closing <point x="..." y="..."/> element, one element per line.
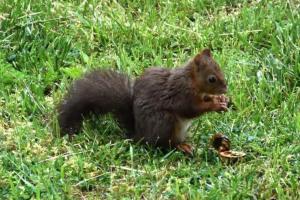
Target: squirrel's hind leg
<point x="155" y="129"/>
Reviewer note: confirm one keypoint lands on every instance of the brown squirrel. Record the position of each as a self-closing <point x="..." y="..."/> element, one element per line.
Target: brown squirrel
<point x="156" y="108"/>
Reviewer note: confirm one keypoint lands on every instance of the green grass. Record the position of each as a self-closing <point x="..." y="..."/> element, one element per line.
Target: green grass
<point x="44" y="45"/>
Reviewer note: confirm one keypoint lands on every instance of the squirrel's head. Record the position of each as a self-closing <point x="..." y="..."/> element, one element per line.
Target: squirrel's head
<point x="207" y="75"/>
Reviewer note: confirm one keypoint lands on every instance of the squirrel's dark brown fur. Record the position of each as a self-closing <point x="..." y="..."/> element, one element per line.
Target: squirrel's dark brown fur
<point x="153" y="109"/>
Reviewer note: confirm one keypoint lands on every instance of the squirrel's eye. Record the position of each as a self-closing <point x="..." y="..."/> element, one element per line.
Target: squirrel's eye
<point x="212" y="79"/>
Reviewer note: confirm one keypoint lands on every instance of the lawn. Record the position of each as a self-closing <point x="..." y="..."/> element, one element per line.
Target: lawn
<point x="44" y="45"/>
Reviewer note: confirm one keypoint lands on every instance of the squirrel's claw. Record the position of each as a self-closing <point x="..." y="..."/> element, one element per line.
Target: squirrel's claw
<point x="185" y="148"/>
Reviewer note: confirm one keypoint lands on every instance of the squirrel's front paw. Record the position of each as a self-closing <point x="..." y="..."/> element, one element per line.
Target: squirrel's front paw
<point x="219" y="103"/>
<point x="223" y="98"/>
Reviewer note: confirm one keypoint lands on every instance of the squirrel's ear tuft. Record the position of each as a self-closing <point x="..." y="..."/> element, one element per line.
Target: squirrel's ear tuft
<point x="206" y="52"/>
<point x="202" y="56"/>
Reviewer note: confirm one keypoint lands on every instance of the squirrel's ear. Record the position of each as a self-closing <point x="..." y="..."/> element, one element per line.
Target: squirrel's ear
<point x="202" y="56"/>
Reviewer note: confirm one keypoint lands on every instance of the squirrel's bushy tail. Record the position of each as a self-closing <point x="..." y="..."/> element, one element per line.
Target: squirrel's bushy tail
<point x="99" y="92"/>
